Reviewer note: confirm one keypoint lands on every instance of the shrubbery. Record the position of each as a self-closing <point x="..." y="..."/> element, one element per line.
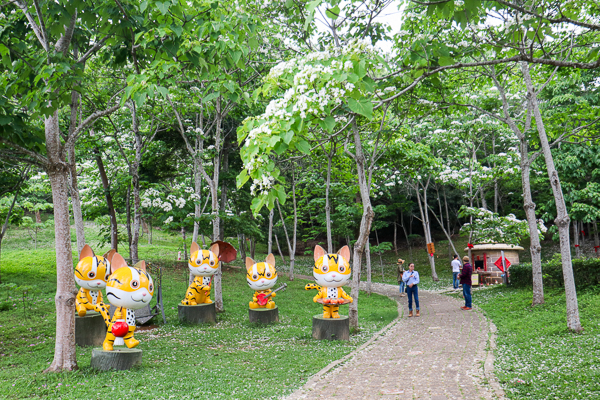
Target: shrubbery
<point x="586" y="271"/>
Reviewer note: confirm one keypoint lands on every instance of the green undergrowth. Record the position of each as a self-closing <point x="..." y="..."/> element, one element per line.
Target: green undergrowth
<point x="233" y="359"/>
<point x="537" y="357"/>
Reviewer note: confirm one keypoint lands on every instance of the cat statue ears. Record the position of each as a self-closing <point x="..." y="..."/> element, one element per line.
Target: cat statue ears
<point x="320" y="252"/>
<point x="214" y="248"/>
<point x="119" y="262"/>
<point x="269" y="260"/>
<point x="86" y="252"/>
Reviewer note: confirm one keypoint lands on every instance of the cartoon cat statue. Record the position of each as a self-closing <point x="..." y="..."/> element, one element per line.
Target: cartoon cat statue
<point x="128" y="289"/>
<point x="203" y="264"/>
<point x="261" y="278"/>
<point x="331" y="272"/>
<point x="91" y="273"/>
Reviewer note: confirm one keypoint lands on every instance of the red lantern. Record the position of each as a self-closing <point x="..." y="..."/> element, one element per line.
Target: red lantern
<point x="120" y="328"/>
<point x="469" y="245"/>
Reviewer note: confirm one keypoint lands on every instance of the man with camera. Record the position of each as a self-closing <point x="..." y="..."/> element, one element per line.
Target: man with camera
<point x="400" y="275"/>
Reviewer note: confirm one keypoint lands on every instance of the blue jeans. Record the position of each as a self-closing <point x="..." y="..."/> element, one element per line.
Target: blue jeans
<point x="412" y="291"/>
<point x="467" y="294"/>
<point x="455" y="280"/>
<point x="402" y="287"/>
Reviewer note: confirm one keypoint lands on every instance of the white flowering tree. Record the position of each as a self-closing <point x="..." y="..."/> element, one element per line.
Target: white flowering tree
<point x="489" y="227"/>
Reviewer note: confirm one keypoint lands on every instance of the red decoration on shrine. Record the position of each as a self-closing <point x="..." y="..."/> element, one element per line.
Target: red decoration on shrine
<point x="469" y="245"/>
<point x="120" y="328"/>
<point x="498" y="263"/>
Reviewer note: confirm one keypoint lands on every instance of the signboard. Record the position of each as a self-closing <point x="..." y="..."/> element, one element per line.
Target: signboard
<point x="498" y="263"/>
<point x="430" y="248"/>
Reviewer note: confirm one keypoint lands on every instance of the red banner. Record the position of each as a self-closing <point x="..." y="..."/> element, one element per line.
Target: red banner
<point x="498" y="263"/>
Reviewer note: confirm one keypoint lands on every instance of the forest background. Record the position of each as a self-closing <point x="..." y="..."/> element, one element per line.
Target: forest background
<point x="383" y="125"/>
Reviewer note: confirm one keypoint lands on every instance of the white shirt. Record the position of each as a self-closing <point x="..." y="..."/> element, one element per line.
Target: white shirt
<point x="455" y="265"/>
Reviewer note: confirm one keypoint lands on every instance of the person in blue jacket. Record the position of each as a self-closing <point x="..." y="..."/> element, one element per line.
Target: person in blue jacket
<point x="411" y="278"/>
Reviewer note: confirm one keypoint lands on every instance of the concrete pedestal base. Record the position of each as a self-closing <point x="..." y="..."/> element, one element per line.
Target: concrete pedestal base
<point x="331" y="328"/>
<point x="118" y="359"/>
<point x="199" y="314"/>
<point x="264" y="315"/>
<point x="90" y="330"/>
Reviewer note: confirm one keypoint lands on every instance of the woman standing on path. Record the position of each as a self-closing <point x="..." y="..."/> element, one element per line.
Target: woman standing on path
<point x="465" y="280"/>
<point x="400" y="276"/>
<point x="411" y="278"/>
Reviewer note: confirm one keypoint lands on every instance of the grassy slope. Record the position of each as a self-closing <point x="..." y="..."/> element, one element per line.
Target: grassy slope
<point x="231" y="360"/>
<point x="537" y="358"/>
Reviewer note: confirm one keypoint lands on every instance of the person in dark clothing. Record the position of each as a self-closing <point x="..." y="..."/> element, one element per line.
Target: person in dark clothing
<point x="465" y="281"/>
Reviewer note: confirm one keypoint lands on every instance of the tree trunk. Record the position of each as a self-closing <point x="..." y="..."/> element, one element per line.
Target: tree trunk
<point x="396" y="238"/>
<point x="225" y="167"/>
<point x="295" y="233"/>
<point x="75" y="200"/>
<point x="327" y="205"/>
<point x="270" y="237"/>
<point x="423" y="209"/>
<point x="535" y="247"/>
<point x="365" y="224"/>
<point x="279" y="249"/>
<point x="576" y="239"/>
<point x="198" y="192"/>
<point x="128" y="212"/>
<point x="114" y="230"/>
<point x="242" y="246"/>
<point x="7" y="219"/>
<point x="369" y="267"/>
<point x="562" y="217"/>
<point x="135" y="180"/>
<point x="58" y="173"/>
<point x="596" y="238"/>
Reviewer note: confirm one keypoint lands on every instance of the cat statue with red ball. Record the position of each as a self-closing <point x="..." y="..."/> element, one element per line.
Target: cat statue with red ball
<point x="128" y="289"/>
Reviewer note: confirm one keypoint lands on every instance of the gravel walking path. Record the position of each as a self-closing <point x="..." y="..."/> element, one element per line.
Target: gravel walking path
<point x="446" y="353"/>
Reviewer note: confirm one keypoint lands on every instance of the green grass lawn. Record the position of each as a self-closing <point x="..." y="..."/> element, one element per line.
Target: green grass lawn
<point x="537" y="358"/>
<point x="233" y="359"/>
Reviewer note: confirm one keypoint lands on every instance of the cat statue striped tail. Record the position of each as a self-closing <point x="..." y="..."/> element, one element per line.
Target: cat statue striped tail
<point x="331" y="272"/>
<point x="261" y="278"/>
<point x="128" y="289"/>
<point x="91" y="273"/>
<point x="203" y="264"/>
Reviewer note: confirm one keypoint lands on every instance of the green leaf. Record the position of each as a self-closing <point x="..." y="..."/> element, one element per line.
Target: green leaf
<point x="445" y="61"/>
<point x="333" y="13"/>
<point x="280" y="192"/>
<point x="163" y="7"/>
<point x="310" y="12"/>
<point x="287" y="136"/>
<point x="177" y="29"/>
<point x="242" y="178"/>
<point x="139" y="98"/>
<point x="280" y="148"/>
<point x="253" y="43"/>
<point x="363" y="107"/>
<point x="329" y="123"/>
<point x="163" y="90"/>
<point x="273" y="140"/>
<point x="143" y="6"/>
<point x="303" y="146"/>
<point x="210" y="96"/>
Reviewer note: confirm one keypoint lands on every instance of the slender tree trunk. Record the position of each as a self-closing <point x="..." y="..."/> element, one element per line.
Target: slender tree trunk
<point x="270" y="237"/>
<point x="365" y="224"/>
<point x="135" y="180"/>
<point x="379" y="253"/>
<point x="225" y="168"/>
<point x="596" y="238"/>
<point x="423" y="209"/>
<point x="252" y="248"/>
<point x="294" y="236"/>
<point x="396" y="238"/>
<point x="128" y="213"/>
<point x="198" y="192"/>
<point x="58" y="173"/>
<point x="114" y="230"/>
<point x="368" y="264"/>
<point x="576" y="239"/>
<point x="279" y="249"/>
<point x="242" y="246"/>
<point x="75" y="200"/>
<point x="327" y="203"/>
<point x="535" y="247"/>
<point x="562" y="217"/>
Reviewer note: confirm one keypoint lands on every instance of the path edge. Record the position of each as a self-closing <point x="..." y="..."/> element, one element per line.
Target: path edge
<point x="313" y="380"/>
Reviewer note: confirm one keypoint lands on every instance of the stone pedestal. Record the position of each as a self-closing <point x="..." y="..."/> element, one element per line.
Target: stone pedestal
<point x="119" y="359"/>
<point x="199" y="314"/>
<point x="90" y="330"/>
<point x="331" y="328"/>
<point x="264" y="315"/>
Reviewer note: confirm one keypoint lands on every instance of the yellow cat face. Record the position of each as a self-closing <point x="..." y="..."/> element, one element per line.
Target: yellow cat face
<point x="332" y="270"/>
<point x="92" y="271"/>
<point x="203" y="262"/>
<point x="129" y="287"/>
<point x="262" y="275"/>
